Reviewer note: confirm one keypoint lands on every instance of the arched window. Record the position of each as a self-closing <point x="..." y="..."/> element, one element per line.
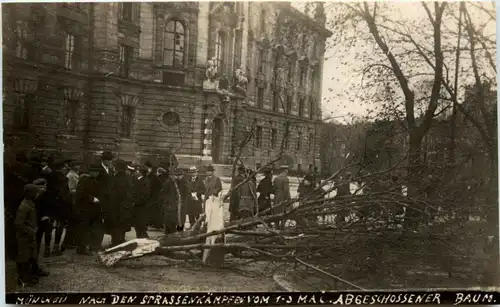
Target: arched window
<point x="220" y="51"/>
<point x="173" y="48"/>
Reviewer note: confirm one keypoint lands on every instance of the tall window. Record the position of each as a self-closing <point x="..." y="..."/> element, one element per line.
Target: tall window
<point x="260" y="97"/>
<point x="22" y="40"/>
<point x="173" y="48"/>
<point x="299" y="141"/>
<point x="220" y="51"/>
<point x="276" y="101"/>
<point x="126" y="10"/>
<point x="258" y="137"/>
<point x="311" y="108"/>
<point x="274" y="137"/>
<point x="262" y="61"/>
<point x="311" y="141"/>
<point x="285" y="141"/>
<point x="301" y="107"/>
<point x="302" y="76"/>
<point x="290" y="70"/>
<point x="69" y="50"/>
<point x="24" y="110"/>
<point x="127" y="121"/>
<point x="289" y="103"/>
<point x="71" y="116"/>
<point x="314" y="80"/>
<point x="126" y="53"/>
<point x="237" y="48"/>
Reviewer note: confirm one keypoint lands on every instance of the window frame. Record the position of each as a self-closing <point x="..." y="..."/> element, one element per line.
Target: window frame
<point x="274" y="137"/>
<point x="127" y="11"/>
<point x="24" y="111"/>
<point x="175" y="33"/>
<point x="69" y="51"/>
<point x="220" y="51"/>
<point x="258" y="137"/>
<point x="311" y="108"/>
<point x="126" y="58"/>
<point x="127" y="126"/>
<point x="289" y="104"/>
<point x="301" y="106"/>
<point x="71" y="114"/>
<point x="260" y="97"/>
<point x="22" y="49"/>
<point x="299" y="141"/>
<point x="276" y="101"/>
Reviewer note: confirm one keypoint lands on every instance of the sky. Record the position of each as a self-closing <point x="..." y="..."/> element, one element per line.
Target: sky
<point x="339" y="64"/>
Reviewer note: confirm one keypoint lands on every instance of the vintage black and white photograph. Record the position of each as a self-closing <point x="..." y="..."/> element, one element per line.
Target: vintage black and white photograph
<point x="250" y="146"/>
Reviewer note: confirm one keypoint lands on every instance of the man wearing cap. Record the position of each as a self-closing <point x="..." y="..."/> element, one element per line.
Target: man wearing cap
<point x="45" y="211"/>
<point x="117" y="212"/>
<point x="26" y="226"/>
<point x="141" y="197"/>
<point x="281" y="186"/>
<point x="197" y="191"/>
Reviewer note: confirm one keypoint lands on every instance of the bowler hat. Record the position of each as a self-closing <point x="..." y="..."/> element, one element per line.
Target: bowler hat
<point x="121" y="165"/>
<point x="210" y="168"/>
<point x="107" y="155"/>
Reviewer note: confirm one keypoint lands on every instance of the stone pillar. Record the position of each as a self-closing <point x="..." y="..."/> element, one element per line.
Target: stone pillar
<point x="106" y="37"/>
<point x="146" y="46"/>
<point x="244" y="40"/>
<point x="203" y="23"/>
<point x="207" y="140"/>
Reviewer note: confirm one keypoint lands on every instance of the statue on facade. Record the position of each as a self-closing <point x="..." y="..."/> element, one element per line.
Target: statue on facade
<point x="211" y="69"/>
<point x="241" y="81"/>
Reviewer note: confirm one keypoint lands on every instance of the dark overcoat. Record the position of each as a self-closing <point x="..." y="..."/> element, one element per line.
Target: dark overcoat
<point x="141" y="199"/>
<point x="265" y="189"/>
<point x="197" y="187"/>
<point x="26" y="225"/>
<point x="117" y="212"/>
<point x="234" y="200"/>
<point x="282" y="192"/>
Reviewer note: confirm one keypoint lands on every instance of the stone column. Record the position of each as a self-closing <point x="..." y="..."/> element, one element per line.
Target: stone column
<point x="244" y="40"/>
<point x="203" y="23"/>
<point x="146" y="38"/>
<point x="106" y="37"/>
<point x="207" y="140"/>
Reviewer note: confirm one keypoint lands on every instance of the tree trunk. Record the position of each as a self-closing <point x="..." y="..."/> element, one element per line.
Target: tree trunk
<point x="414" y="164"/>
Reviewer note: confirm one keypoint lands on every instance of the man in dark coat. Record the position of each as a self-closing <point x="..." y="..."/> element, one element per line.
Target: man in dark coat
<point x="16" y="176"/>
<point x="265" y="189"/>
<point x="59" y="192"/>
<point x="155" y="206"/>
<point x="26" y="225"/>
<point x="117" y="213"/>
<point x="45" y="211"/>
<point x="281" y="186"/>
<point x="141" y="198"/>
<point x="234" y="198"/>
<point x="197" y="192"/>
<point x="103" y="184"/>
<point x="184" y="193"/>
<point x="169" y="196"/>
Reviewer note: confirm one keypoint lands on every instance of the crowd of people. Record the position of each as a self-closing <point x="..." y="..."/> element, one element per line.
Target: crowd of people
<point x="44" y="193"/>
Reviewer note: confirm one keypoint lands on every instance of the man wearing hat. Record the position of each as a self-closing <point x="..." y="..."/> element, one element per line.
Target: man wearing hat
<point x="141" y="197"/>
<point x="265" y="189"/>
<point x="197" y="191"/>
<point x="88" y="214"/>
<point x="45" y="212"/>
<point x="103" y="183"/>
<point x="117" y="212"/>
<point x="281" y="186"/>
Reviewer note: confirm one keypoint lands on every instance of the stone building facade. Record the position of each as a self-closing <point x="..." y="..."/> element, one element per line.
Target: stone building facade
<point x="137" y="78"/>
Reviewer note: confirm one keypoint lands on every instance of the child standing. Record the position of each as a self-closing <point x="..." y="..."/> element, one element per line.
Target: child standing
<point x="26" y="227"/>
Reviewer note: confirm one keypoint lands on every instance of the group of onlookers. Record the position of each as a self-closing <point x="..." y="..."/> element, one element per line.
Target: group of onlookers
<point x="44" y="193"/>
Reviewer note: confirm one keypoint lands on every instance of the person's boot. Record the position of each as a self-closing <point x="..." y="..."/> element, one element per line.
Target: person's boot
<point x="36" y="270"/>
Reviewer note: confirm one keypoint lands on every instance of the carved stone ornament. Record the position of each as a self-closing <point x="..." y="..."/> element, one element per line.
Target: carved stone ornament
<point x="211" y="69"/>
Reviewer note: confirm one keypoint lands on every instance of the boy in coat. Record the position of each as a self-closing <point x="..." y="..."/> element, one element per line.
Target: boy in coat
<point x="26" y="226"/>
